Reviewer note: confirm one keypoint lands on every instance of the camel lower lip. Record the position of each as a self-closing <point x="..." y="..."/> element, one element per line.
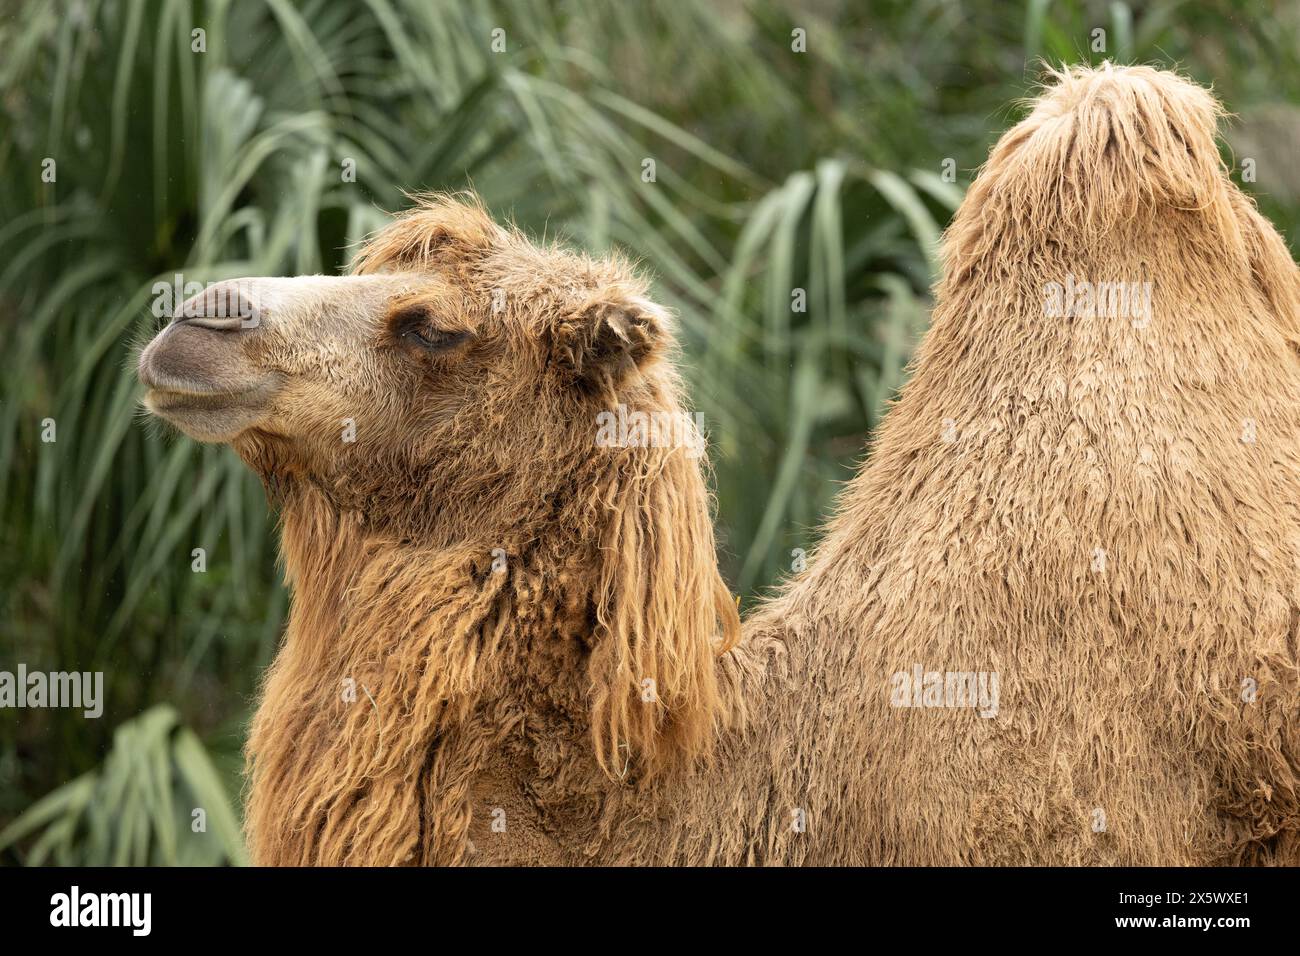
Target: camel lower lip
<point x="217" y="416"/>
<point x="170" y="399"/>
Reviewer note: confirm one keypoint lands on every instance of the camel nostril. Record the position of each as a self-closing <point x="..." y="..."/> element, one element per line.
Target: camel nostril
<point x="221" y="323"/>
<point x="224" y="307"/>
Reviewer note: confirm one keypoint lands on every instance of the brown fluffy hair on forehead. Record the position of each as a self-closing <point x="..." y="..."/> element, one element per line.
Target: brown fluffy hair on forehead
<point x="448" y="230"/>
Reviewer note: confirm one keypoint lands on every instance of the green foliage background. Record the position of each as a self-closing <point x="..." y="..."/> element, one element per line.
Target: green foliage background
<point x="775" y="170"/>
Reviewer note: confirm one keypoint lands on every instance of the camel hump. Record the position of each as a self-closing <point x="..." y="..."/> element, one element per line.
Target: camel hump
<point x="1101" y="147"/>
<point x="1139" y="99"/>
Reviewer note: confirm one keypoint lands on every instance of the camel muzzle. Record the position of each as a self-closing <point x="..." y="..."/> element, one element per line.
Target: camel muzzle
<point x="198" y="372"/>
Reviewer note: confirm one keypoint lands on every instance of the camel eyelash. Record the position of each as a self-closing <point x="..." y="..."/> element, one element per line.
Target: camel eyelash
<point x="411" y="326"/>
<point x="433" y="339"/>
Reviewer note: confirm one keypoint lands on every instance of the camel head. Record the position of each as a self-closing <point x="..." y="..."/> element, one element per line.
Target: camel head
<point x="476" y="415"/>
<point x="454" y="353"/>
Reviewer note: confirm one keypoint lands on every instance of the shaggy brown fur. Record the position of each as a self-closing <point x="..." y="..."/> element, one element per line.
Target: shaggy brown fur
<point x="1065" y="501"/>
<point x="607" y="577"/>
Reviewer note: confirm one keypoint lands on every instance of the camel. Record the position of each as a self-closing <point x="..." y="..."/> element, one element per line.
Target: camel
<point x="1052" y="620"/>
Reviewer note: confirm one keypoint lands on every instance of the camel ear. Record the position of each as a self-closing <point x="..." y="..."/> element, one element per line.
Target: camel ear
<point x="607" y="337"/>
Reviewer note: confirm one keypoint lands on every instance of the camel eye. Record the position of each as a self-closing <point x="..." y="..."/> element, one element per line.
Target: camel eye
<point x="433" y="339"/>
<point x="412" y="327"/>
